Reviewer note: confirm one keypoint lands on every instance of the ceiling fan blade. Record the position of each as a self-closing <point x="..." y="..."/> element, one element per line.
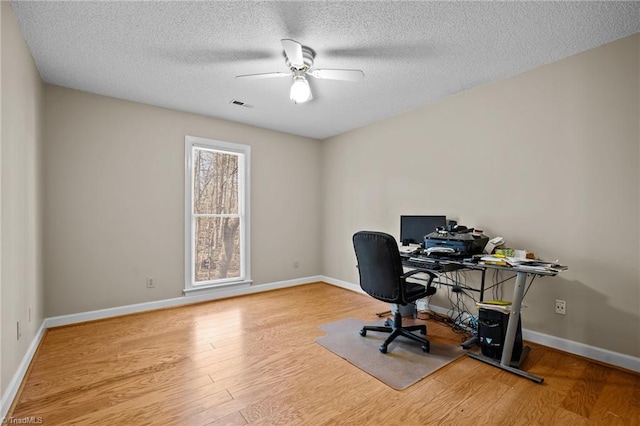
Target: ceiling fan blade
<point x="265" y="75"/>
<point x="293" y="50"/>
<point x="348" y="75"/>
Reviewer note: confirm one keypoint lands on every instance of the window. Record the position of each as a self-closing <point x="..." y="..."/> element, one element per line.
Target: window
<point x="217" y="214"/>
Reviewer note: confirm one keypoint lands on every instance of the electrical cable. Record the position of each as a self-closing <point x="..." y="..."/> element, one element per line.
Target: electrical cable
<point x="459" y="316"/>
<point x="528" y="287"/>
<point x="458" y="311"/>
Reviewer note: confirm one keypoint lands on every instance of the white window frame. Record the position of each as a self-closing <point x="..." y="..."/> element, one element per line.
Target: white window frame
<point x="244" y="167"/>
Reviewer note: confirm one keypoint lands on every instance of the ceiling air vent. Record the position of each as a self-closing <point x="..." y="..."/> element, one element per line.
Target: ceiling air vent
<point x="240" y="103"/>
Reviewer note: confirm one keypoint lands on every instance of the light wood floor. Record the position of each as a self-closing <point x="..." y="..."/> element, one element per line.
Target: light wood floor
<point x="254" y="360"/>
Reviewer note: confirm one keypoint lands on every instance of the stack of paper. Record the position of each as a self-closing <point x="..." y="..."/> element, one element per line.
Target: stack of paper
<point x="537" y="265"/>
<point x="495" y="260"/>
<point x="530" y="265"/>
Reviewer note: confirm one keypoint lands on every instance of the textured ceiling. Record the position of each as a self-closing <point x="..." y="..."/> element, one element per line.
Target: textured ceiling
<point x="185" y="55"/>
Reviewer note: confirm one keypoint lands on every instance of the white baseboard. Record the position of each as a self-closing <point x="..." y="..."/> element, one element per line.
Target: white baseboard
<point x="606" y="356"/>
<point x="627" y="362"/>
<point x="13" y="387"/>
<point x="343" y="284"/>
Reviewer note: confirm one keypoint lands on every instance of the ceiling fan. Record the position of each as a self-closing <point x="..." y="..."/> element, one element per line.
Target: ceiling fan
<point x="299" y="59"/>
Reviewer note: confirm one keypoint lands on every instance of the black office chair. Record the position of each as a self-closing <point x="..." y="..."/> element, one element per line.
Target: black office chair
<point x="382" y="277"/>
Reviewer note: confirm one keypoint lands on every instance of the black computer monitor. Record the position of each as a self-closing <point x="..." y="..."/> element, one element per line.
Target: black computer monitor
<point x="414" y="228"/>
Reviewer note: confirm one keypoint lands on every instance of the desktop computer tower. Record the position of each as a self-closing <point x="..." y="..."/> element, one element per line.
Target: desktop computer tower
<point x="492" y="329"/>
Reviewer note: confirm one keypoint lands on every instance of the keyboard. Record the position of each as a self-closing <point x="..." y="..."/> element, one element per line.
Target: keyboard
<point x="422" y="264"/>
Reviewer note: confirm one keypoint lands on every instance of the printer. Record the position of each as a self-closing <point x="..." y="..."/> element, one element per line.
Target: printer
<point x="463" y="243"/>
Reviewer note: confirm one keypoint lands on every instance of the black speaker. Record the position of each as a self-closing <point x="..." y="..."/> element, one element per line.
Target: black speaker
<point x="492" y="329"/>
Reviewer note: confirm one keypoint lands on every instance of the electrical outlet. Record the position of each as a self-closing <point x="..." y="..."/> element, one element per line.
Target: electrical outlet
<point x="296" y="264"/>
<point x="150" y="283"/>
<point x="18" y="331"/>
<point x="561" y="307"/>
<point x="29" y="313"/>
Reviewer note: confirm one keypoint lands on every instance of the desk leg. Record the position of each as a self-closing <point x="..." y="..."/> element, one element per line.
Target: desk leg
<point x="512" y="326"/>
<point x="471" y="342"/>
<point x="508" y="368"/>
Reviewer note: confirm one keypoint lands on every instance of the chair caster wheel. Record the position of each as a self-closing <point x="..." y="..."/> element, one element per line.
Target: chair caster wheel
<point x="425" y="348"/>
<point x="363" y="332"/>
<point x="383" y="349"/>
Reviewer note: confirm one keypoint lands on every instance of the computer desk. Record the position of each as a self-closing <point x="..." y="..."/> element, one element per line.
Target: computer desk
<point x="446" y="265"/>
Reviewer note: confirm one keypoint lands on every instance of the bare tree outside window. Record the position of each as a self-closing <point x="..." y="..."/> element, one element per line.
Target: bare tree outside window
<point x="217" y="215"/>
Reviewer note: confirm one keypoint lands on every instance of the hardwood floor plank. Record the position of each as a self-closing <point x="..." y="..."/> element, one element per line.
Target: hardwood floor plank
<point x="533" y="404"/>
<point x="379" y="405"/>
<point x="171" y="406"/>
<point x="233" y="419"/>
<point x="586" y="390"/>
<point x="334" y="385"/>
<point x="253" y="360"/>
<point x="619" y="400"/>
<point x="76" y="401"/>
<point x="565" y="417"/>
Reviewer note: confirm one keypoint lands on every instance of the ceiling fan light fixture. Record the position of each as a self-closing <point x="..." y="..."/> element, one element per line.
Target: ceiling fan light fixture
<point x="300" y="90"/>
<point x="299" y="59"/>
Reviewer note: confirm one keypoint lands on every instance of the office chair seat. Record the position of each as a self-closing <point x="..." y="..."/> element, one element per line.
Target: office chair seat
<point x="382" y="277"/>
<point x="416" y="291"/>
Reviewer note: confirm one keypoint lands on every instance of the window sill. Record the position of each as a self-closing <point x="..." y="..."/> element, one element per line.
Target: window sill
<point x="216" y="288"/>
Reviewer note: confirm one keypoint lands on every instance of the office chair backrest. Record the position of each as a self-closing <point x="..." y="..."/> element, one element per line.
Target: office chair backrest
<point x="379" y="265"/>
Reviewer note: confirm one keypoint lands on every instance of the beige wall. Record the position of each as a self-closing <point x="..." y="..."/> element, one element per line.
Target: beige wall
<point x="114" y="200"/>
<point x="2" y="382"/>
<point x="20" y="237"/>
<point x="548" y="160"/>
